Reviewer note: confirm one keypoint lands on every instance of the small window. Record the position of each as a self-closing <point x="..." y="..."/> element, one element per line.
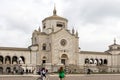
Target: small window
<point x="60" y="24"/>
<point x="118" y="47"/>
<point x="105" y="61"/>
<point x="86" y="61"/>
<point x="44" y="47"/>
<point x="44" y="26"/>
<point x="35" y="40"/>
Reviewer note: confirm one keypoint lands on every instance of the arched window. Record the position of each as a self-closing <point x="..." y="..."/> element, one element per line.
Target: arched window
<point x="101" y="61"/>
<point x="22" y="60"/>
<point x="96" y="61"/>
<point x="44" y="26"/>
<point x="7" y="60"/>
<point x="91" y="61"/>
<point x="14" y="60"/>
<point x="1" y="59"/>
<point x="86" y="61"/>
<point x="105" y="61"/>
<point x="44" y="46"/>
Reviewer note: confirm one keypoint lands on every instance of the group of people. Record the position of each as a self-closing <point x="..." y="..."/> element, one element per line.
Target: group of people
<point x="43" y="72"/>
<point x="61" y="72"/>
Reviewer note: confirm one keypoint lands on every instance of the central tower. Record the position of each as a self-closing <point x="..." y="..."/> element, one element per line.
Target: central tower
<point x="54" y="23"/>
<point x="56" y="44"/>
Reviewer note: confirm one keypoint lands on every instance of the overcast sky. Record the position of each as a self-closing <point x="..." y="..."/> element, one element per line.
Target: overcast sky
<point x="97" y="21"/>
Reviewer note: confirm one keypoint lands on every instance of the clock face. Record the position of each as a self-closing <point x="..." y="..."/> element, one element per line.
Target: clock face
<point x="63" y="42"/>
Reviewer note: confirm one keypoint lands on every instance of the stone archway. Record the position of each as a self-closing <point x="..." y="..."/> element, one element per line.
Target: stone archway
<point x="105" y="61"/>
<point x="8" y="69"/>
<point x="87" y="61"/>
<point x="21" y="60"/>
<point x="64" y="59"/>
<point x="91" y="61"/>
<point x="100" y="61"/>
<point x="14" y="60"/>
<point x="7" y="60"/>
<point x="96" y="61"/>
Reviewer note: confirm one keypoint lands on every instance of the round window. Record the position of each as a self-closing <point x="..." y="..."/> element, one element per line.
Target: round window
<point x="63" y="42"/>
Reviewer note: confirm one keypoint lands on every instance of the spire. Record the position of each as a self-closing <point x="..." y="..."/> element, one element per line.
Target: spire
<point x="73" y="31"/>
<point x="114" y="41"/>
<point x="54" y="11"/>
<point x="39" y="29"/>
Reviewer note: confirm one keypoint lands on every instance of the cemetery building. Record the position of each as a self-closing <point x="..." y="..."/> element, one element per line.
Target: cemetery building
<point x="52" y="46"/>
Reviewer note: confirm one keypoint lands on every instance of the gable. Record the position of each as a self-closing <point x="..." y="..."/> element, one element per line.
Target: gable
<point x="64" y="37"/>
<point x="64" y="32"/>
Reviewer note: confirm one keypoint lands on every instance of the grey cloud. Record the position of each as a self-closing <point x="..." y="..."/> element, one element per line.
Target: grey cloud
<point x="23" y="16"/>
<point x="12" y="24"/>
<point x="93" y="11"/>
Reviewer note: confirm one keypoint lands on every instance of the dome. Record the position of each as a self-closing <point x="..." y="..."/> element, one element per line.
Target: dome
<point x="55" y="17"/>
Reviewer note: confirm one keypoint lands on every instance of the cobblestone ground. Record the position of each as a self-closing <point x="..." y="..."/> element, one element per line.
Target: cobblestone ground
<point x="68" y="77"/>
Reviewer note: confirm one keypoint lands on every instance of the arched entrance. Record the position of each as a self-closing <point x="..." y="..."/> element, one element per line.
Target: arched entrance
<point x="1" y="70"/>
<point x="44" y="60"/>
<point x="23" y="59"/>
<point x="100" y="61"/>
<point x="91" y="61"/>
<point x="87" y="61"/>
<point x="96" y="62"/>
<point x="64" y="59"/>
<point x="14" y="60"/>
<point x="105" y="61"/>
<point x="7" y="60"/>
<point x="8" y="69"/>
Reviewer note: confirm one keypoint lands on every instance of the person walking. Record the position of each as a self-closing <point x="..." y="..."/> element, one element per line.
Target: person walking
<point x="61" y="73"/>
<point x="88" y="71"/>
<point x="43" y="73"/>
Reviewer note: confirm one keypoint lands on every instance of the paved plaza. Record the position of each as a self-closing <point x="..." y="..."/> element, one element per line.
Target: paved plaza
<point x="68" y="77"/>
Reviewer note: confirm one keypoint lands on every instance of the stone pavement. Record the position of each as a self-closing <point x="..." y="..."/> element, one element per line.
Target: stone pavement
<point x="68" y="77"/>
<point x="90" y="77"/>
<point x="18" y="77"/>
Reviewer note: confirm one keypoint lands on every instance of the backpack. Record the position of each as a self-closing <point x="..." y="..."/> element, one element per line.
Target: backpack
<point x="43" y="72"/>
